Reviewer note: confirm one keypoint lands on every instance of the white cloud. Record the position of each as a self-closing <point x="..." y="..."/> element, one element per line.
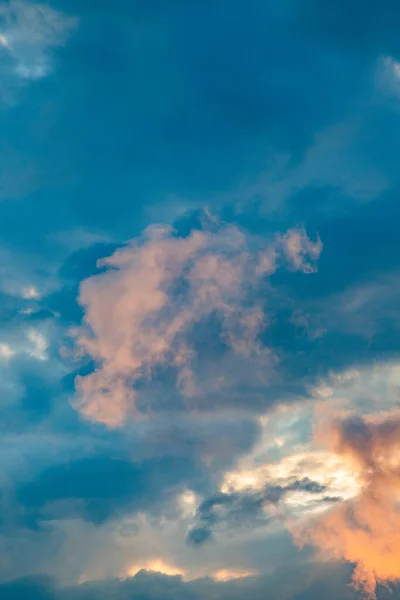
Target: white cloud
<point x="29" y="32"/>
<point x="38" y="344"/>
<point x="19" y="275"/>
<point x="298" y="459"/>
<point x="4" y="41"/>
<point x="388" y="75"/>
<point x="30" y="293"/>
<point x="370" y="388"/>
<point x="286" y="447"/>
<point x="32" y="342"/>
<point x="6" y="351"/>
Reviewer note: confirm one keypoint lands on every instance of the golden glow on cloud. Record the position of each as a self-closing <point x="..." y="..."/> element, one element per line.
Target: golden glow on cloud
<point x="188" y="502"/>
<point x="6" y="351"/>
<point x="157" y="566"/>
<point x="322" y="467"/>
<point x="231" y="574"/>
<point x="365" y="529"/>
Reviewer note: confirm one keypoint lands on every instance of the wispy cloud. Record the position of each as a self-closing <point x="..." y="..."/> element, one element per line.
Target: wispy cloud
<point x="29" y="32"/>
<point x="388" y="75"/>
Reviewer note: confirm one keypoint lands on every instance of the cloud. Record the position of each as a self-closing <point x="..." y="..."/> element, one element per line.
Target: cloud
<point x="364" y="530"/>
<point x="333" y="160"/>
<point x="98" y="488"/>
<point x="160" y="470"/>
<point x="161" y="293"/>
<point x="29" y="33"/>
<point x="363" y="308"/>
<point x="304" y="582"/>
<point x="232" y="574"/>
<point x="301" y="252"/>
<point x="156" y="566"/>
<point x="388" y="76"/>
<point x="247" y="508"/>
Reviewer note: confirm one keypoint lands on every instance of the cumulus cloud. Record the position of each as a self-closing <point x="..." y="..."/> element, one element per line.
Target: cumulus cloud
<point x="29" y="32"/>
<point x="141" y="312"/>
<point x="364" y="530"/>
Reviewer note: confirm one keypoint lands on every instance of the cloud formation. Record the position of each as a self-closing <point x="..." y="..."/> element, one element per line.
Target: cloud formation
<point x="364" y="530"/>
<point x="156" y="291"/>
<point x="291" y="583"/>
<point x="248" y="508"/>
<point x="29" y="32"/>
<point x="388" y="75"/>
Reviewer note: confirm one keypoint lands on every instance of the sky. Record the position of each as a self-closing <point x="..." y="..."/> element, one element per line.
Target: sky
<point x="199" y="300"/>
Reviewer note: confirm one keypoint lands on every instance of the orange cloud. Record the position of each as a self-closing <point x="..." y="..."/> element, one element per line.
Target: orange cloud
<point x="157" y="566"/>
<point x="364" y="530"/>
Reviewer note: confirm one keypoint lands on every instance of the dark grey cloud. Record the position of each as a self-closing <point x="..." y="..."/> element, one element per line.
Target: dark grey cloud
<point x="246" y="508"/>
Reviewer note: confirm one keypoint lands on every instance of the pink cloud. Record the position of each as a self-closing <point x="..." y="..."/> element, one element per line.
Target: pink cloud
<point x="139" y="314"/>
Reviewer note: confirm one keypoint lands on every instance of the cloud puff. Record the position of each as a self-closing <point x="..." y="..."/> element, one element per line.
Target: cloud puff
<point x="301" y="251"/>
<point x="28" y="34"/>
<point x="141" y="313"/>
<point x="364" y="530"/>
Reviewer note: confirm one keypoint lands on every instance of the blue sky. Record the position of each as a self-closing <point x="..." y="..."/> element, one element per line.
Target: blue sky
<point x="199" y="283"/>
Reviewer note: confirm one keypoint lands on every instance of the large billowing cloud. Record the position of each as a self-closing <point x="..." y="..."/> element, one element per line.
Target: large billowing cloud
<point x="364" y="530"/>
<point x="142" y="312"/>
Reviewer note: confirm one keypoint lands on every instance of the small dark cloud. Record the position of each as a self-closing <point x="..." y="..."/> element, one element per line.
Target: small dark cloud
<point x="199" y="536"/>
